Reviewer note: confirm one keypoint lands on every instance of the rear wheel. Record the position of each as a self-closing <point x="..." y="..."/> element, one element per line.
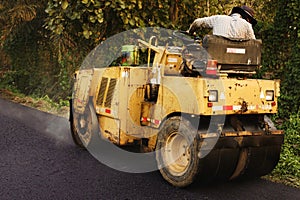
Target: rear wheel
<point x="176" y="152"/>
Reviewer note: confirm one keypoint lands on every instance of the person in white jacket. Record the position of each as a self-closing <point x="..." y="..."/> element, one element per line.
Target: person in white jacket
<point x="238" y="25"/>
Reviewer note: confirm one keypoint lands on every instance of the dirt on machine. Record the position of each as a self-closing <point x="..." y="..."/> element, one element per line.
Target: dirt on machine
<point x="194" y="103"/>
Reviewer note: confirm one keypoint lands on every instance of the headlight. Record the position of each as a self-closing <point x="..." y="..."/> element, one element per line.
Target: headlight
<point x="213" y="96"/>
<point x="270" y="95"/>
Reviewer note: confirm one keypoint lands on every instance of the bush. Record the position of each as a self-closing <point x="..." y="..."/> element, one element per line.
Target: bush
<point x="289" y="163"/>
<point x="7" y="81"/>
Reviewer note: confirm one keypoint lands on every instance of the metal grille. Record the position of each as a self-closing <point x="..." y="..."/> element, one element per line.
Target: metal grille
<point x="110" y="92"/>
<point x="101" y="93"/>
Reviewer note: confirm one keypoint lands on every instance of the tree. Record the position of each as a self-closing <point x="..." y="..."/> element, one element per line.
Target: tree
<point x="281" y="54"/>
<point x="20" y="31"/>
<point x="34" y="68"/>
<point x="14" y="15"/>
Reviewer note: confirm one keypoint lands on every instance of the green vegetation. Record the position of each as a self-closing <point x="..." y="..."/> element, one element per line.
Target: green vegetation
<point x="288" y="169"/>
<point x="282" y="61"/>
<point x="43" y="42"/>
<point x="44" y="103"/>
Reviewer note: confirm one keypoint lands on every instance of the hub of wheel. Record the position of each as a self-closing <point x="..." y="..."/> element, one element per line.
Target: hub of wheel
<point x="177" y="154"/>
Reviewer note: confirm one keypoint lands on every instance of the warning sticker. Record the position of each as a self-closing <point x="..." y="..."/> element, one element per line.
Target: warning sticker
<point x="236" y="50"/>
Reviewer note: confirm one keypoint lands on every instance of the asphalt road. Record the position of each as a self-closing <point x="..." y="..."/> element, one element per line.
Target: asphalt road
<point x="38" y="160"/>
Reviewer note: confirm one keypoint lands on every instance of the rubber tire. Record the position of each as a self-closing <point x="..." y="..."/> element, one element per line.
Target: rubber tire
<point x="170" y="126"/>
<point x="84" y="132"/>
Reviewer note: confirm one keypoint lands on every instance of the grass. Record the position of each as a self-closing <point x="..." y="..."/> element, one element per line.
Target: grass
<point x="44" y="104"/>
<point x="283" y="179"/>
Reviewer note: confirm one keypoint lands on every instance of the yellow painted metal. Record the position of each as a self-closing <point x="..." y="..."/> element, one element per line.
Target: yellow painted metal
<point x="81" y="90"/>
<point x="125" y="116"/>
<point x="176" y="95"/>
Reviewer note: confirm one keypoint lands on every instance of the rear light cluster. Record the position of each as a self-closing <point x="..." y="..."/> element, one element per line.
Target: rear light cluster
<point x="213" y="97"/>
<point x="212" y="66"/>
<point x="270" y="95"/>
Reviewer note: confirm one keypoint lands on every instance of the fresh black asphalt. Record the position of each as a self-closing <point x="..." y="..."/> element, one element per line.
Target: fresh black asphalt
<point x="38" y="160"/>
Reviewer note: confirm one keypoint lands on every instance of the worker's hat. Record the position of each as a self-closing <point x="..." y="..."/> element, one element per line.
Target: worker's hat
<point x="246" y="13"/>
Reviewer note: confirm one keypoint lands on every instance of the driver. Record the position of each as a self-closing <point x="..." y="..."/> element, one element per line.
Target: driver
<point x="238" y="25"/>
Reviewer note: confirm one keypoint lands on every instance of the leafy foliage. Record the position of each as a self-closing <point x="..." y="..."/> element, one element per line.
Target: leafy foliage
<point x="32" y="60"/>
<point x="95" y="20"/>
<point x="281" y="59"/>
<point x="289" y="164"/>
<point x="281" y="54"/>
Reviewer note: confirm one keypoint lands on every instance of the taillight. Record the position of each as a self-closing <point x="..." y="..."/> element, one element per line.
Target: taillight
<point x="270" y="95"/>
<point x="210" y="104"/>
<point x="213" y="95"/>
<point x="212" y="66"/>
